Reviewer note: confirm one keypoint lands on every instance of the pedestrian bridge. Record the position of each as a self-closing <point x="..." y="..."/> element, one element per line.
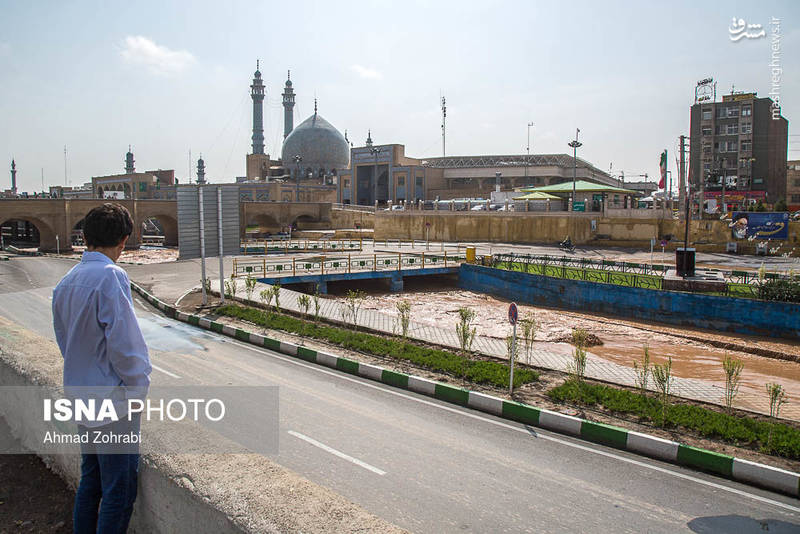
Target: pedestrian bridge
<point x="323" y="269"/>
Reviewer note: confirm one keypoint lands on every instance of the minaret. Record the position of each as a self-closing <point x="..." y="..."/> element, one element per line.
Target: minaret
<point x="288" y="106"/>
<point x="13" y="177"/>
<point x="129" y="168"/>
<point x="369" y="138"/>
<point x="201" y="170"/>
<point x="257" y="93"/>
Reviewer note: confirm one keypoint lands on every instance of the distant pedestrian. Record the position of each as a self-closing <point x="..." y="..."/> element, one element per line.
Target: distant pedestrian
<point x="102" y="345"/>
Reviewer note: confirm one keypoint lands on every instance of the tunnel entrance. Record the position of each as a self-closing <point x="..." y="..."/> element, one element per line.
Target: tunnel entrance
<point x="19" y="233"/>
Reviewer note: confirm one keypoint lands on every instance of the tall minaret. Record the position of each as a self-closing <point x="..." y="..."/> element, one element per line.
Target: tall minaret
<point x="201" y="170"/>
<point x="288" y="106"/>
<point x="129" y="168"/>
<point x="369" y="138"/>
<point x="13" y="177"/>
<point x="257" y="93"/>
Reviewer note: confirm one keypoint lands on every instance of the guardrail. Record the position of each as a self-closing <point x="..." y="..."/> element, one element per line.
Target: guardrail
<point x="735" y="277"/>
<point x="743" y="284"/>
<point x="301" y="245"/>
<point x="342" y="264"/>
<point x="352" y="207"/>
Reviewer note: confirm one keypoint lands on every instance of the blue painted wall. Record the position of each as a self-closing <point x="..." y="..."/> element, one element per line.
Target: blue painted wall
<point x="743" y="316"/>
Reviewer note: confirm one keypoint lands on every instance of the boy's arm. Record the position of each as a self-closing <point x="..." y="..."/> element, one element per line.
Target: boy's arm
<point x="125" y="346"/>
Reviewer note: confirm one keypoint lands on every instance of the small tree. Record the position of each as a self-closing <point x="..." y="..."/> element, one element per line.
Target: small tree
<point x="529" y="327"/>
<point x="230" y="288"/>
<point x="304" y="302"/>
<point x="276" y="295"/>
<point x="577" y="367"/>
<point x="464" y="329"/>
<point x="642" y="370"/>
<point x="404" y="316"/>
<point x="266" y="297"/>
<point x="662" y="377"/>
<point x="777" y="398"/>
<point x="250" y="286"/>
<point x="207" y="284"/>
<point x="354" y="299"/>
<point x="317" y="305"/>
<point x="733" y="377"/>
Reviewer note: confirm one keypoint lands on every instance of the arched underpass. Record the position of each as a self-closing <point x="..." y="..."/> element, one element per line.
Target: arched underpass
<point x="29" y="232"/>
<point x="153" y="226"/>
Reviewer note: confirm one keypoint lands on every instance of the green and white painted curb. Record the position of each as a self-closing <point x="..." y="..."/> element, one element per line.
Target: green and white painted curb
<point x="669" y="451"/>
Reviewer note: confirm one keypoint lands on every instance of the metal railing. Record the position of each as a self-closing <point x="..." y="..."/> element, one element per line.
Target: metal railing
<point x="301" y="245"/>
<point x="352" y="207"/>
<point x="744" y="284"/>
<point x="342" y="264"/>
<point x="584" y="263"/>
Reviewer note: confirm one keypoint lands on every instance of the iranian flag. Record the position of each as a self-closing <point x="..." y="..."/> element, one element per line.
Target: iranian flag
<point x="663" y="167"/>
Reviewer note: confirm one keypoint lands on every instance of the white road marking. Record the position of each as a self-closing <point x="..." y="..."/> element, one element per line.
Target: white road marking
<point x="157" y="368"/>
<point x="140" y="302"/>
<point x="539" y="433"/>
<point x="340" y="454"/>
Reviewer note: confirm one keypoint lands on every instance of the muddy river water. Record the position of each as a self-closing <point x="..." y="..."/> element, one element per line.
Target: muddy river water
<point x="622" y="339"/>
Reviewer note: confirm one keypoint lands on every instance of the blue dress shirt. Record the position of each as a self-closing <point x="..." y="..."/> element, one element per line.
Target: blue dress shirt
<point x="96" y="327"/>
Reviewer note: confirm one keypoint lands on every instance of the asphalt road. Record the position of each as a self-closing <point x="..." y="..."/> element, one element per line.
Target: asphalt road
<point x="425" y="465"/>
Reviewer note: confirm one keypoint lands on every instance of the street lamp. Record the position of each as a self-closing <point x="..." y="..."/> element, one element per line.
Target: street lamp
<point x="297" y="159"/>
<point x="575" y="145"/>
<point x="527" y="160"/>
<point x="375" y="151"/>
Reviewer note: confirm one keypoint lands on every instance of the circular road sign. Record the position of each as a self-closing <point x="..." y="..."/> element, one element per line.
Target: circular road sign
<point x="512" y="313"/>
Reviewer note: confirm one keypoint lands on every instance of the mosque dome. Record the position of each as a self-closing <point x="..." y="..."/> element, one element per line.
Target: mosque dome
<point x="319" y="144"/>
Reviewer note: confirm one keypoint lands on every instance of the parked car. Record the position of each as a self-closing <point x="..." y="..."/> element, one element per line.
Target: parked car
<point x="479" y="207"/>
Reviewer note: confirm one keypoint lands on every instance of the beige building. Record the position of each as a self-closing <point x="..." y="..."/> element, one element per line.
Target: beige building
<point x="384" y="174"/>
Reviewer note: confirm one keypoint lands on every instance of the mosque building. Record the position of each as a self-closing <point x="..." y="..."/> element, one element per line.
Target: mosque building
<point x="318" y="164"/>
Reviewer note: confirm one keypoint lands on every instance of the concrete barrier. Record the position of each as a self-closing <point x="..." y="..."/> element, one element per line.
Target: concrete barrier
<point x="183" y="493"/>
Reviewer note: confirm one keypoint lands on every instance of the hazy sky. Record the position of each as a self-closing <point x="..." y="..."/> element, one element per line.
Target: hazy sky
<point x="170" y="77"/>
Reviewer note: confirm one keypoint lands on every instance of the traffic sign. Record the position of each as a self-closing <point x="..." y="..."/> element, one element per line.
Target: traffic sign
<point x="512" y="313"/>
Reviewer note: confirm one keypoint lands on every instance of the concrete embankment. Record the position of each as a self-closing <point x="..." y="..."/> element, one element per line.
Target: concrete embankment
<point x="189" y="494"/>
<point x="722" y="314"/>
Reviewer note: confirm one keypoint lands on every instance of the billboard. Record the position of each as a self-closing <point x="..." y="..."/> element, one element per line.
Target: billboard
<point x="189" y="220"/>
<point x="760" y="225"/>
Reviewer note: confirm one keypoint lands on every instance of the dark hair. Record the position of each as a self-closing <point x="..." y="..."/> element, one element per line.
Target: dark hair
<point x="107" y="225"/>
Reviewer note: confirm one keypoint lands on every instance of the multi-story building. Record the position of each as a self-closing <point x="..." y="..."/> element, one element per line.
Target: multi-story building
<point x="738" y="150"/>
<point x="384" y="173"/>
<point x="793" y="185"/>
<point x="159" y="184"/>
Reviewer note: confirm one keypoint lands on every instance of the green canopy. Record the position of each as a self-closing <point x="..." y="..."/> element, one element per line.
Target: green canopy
<point x="538" y="195"/>
<point x="581" y="186"/>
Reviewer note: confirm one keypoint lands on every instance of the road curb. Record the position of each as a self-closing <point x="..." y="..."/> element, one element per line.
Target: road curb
<point x="744" y="471"/>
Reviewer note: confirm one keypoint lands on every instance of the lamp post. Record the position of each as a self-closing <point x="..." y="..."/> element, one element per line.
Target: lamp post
<point x="297" y="159"/>
<point x="375" y="151"/>
<point x="575" y="145"/>
<point x="527" y="160"/>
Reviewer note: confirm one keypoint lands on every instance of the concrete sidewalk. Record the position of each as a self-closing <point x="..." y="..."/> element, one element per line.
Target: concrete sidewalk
<point x="596" y="368"/>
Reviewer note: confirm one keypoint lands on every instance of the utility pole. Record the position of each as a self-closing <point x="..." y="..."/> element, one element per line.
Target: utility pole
<point x="682" y="197"/>
<point x="65" y="164"/>
<point x="527" y="160"/>
<point x="444" y="118"/>
<point x="575" y="144"/>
